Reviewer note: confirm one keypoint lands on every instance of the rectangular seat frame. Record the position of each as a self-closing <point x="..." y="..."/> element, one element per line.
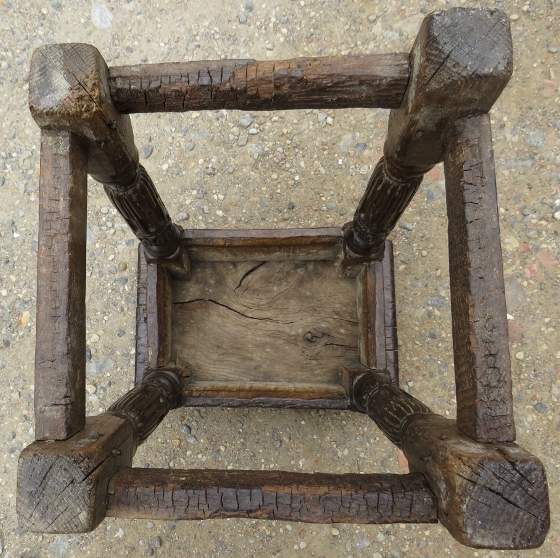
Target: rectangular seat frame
<point x="467" y="473"/>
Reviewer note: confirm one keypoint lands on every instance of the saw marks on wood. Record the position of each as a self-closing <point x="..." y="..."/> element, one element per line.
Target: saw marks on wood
<point x="273" y="322"/>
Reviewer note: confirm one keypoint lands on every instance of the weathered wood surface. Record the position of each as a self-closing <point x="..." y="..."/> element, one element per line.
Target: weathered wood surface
<point x="263" y="244"/>
<point x="371" y="316"/>
<point x="478" y="304"/>
<point x="147" y="404"/>
<point x="391" y="340"/>
<point x="60" y="410"/>
<point x="62" y="486"/>
<point x="69" y="90"/>
<point x="372" y="80"/>
<point x="373" y="392"/>
<point x="142" y="360"/>
<point x="201" y="393"/>
<point x="311" y="498"/>
<point x="159" y="299"/>
<point x="489" y="495"/>
<point x="460" y="62"/>
<point x="285" y="322"/>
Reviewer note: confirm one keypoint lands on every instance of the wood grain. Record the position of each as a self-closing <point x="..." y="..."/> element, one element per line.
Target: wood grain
<point x="374" y="80"/>
<point x="141" y="360"/>
<point x="159" y="316"/>
<point x="309" y="498"/>
<point x="391" y="340"/>
<point x="263" y="244"/>
<point x="60" y="410"/>
<point x="460" y="62"/>
<point x="478" y="304"/>
<point x="489" y="495"/>
<point x="62" y="486"/>
<point x="285" y="322"/>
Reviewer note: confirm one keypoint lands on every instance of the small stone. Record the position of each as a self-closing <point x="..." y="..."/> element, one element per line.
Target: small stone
<point x="245" y="120"/>
<point x="343" y="212"/>
<point x="360" y="147"/>
<point x="371" y="18"/>
<point x="406" y="226"/>
<point x="557" y="215"/>
<point x="91" y="388"/>
<point x="182" y="216"/>
<point x="335" y="532"/>
<point x="121" y="333"/>
<point x="23" y="320"/>
<point x="150" y="525"/>
<point x="330" y="120"/>
<point x="185" y="429"/>
<point x="190" y="146"/>
<point x="59" y="547"/>
<point x="94" y="338"/>
<point x="147" y="150"/>
<point x="192" y="440"/>
<point x="514" y="17"/>
<point x="322" y="117"/>
<point x="520" y="355"/>
<point x="10" y="436"/>
<point x="176" y="442"/>
<point x="242" y="141"/>
<point x="249" y="6"/>
<point x="291" y="205"/>
<point x="553" y="49"/>
<point x="286" y="216"/>
<point x="253" y="131"/>
<point x="302" y="544"/>
<point x="242" y="18"/>
<point x="330" y="206"/>
<point x="541" y="407"/>
<point x="536" y="139"/>
<point x="101" y="17"/>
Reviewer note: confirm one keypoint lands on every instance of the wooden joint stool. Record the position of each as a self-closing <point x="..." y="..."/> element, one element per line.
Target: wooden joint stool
<point x="210" y="301"/>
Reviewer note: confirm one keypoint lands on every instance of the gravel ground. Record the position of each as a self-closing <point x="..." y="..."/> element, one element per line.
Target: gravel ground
<point x="267" y="170"/>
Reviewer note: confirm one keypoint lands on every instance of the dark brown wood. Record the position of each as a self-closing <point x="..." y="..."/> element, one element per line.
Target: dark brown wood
<point x="373" y="392"/>
<point x="478" y="303"/>
<point x="460" y="62"/>
<point x="69" y="90"/>
<point x="371" y="316"/>
<point x="310" y="498"/>
<point x="263" y="244"/>
<point x="489" y="495"/>
<point x="60" y="410"/>
<point x="201" y="393"/>
<point x="142" y="361"/>
<point x="251" y="330"/>
<point x="391" y="340"/>
<point x="371" y="80"/>
<point x="147" y="403"/>
<point x="62" y="486"/>
<point x="159" y="316"/>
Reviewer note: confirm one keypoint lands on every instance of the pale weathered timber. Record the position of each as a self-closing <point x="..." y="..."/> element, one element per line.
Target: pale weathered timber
<point x="69" y="90"/>
<point x="478" y="303"/>
<point x="159" y="316"/>
<point x="460" y="62"/>
<point x="60" y="410"/>
<point x="489" y="495"/>
<point x="147" y="403"/>
<point x="310" y="498"/>
<point x="368" y="81"/>
<point x="62" y="485"/>
<point x="255" y="324"/>
<point x="262" y="244"/>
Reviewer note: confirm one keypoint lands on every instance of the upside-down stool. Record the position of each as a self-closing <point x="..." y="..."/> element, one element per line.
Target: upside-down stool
<point x="280" y="318"/>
